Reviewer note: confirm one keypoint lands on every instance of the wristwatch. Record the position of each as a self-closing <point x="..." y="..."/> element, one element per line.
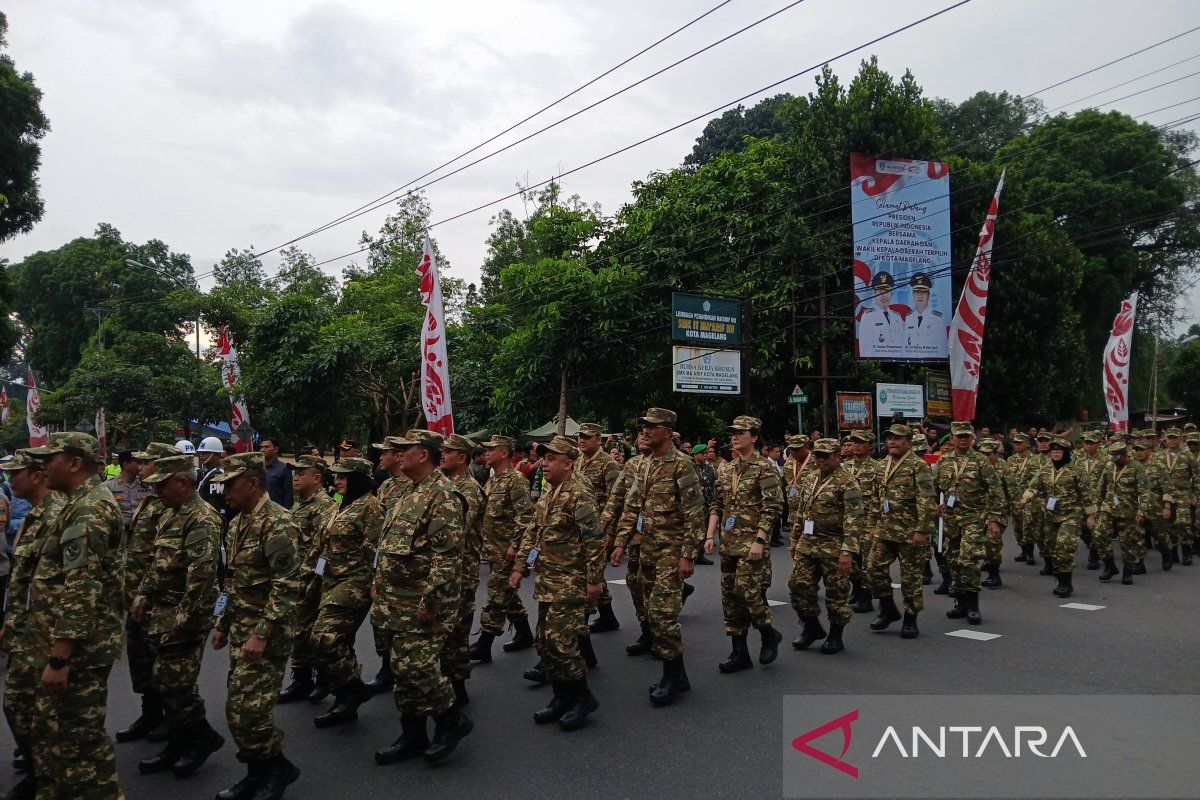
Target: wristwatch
<point x="759" y="540"/>
<point x="57" y="663"/>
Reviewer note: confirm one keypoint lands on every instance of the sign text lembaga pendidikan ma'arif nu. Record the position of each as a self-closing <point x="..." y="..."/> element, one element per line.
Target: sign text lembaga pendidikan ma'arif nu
<point x="711" y="321"/>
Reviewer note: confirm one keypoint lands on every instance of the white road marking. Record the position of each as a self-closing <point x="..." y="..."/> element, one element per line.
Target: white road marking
<point x="1081" y="606"/>
<point x="978" y="636"/>
<point x="620" y="581"/>
<point x="776" y="603"/>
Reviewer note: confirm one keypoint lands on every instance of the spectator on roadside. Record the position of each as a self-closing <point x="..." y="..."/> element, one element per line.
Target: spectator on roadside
<point x="480" y="471"/>
<point x="279" y="477"/>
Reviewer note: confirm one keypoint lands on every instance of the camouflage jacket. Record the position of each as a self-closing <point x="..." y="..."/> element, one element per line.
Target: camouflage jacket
<point x="311" y="515"/>
<point x="348" y="543"/>
<point x="1091" y="466"/>
<point x="601" y="472"/>
<point x="834" y="505"/>
<point x="1124" y="492"/>
<point x="419" y="556"/>
<point x="795" y="474"/>
<point x="1072" y="492"/>
<point x="905" y="500"/>
<point x="1156" y="484"/>
<point x="1020" y="469"/>
<point x="570" y="546"/>
<point x="263" y="580"/>
<point x="179" y="588"/>
<point x="75" y="592"/>
<point x="708" y="482"/>
<point x="509" y="509"/>
<point x="391" y="490"/>
<point x="970" y="489"/>
<point x="138" y="548"/>
<point x="747" y="503"/>
<point x="19" y="634"/>
<point x="1012" y="492"/>
<point x="616" y="499"/>
<point x="867" y="473"/>
<point x="1181" y="476"/>
<point x="665" y="505"/>
<point x="472" y="540"/>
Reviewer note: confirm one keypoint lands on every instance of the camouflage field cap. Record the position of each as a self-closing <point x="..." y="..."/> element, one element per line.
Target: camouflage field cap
<point x="157" y="450"/>
<point x="73" y="443"/>
<point x="826" y="447"/>
<point x="590" y="429"/>
<point x="1117" y="449"/>
<point x="1190" y="427"/>
<point x="1061" y="442"/>
<point x="962" y="428"/>
<point x="1092" y="437"/>
<point x="1192" y="437"/>
<point x="860" y="436"/>
<point x="1019" y="437"/>
<point x="433" y="441"/>
<point x="798" y="441"/>
<point x="989" y="446"/>
<point x="501" y="441"/>
<point x="19" y="461"/>
<point x="899" y="431"/>
<point x="1044" y="435"/>
<point x="457" y="441"/>
<point x="920" y="442"/>
<point x="310" y="462"/>
<point x="745" y="423"/>
<point x="239" y="463"/>
<point x="883" y="280"/>
<point x="167" y="466"/>
<point x="1142" y="444"/>
<point x="1172" y="433"/>
<point x="657" y="416"/>
<point x="559" y="444"/>
<point x="390" y="443"/>
<point x="349" y="464"/>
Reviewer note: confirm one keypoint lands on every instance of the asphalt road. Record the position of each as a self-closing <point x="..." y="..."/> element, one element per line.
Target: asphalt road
<point x="722" y="738"/>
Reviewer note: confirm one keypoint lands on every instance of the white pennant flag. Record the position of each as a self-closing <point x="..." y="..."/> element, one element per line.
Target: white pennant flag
<point x="39" y="434"/>
<point x="1116" y="365"/>
<point x="101" y="434"/>
<point x="435" y="366"/>
<point x="231" y="373"/>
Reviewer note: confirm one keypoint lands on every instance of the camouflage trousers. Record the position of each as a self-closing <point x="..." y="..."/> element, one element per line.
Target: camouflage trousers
<point x="250" y="700"/>
<point x="420" y="688"/>
<point x="1020" y="528"/>
<point x="502" y="603"/>
<point x="993" y="549"/>
<point x="662" y="590"/>
<point x="344" y="606"/>
<point x="1127" y="531"/>
<point x="633" y="582"/>
<point x="966" y="545"/>
<point x="912" y="558"/>
<point x="20" y="694"/>
<point x="303" y="654"/>
<point x="140" y="656"/>
<point x="72" y="753"/>
<point x="1062" y="541"/>
<point x="558" y="630"/>
<point x="817" y="560"/>
<point x="455" y="658"/>
<point x="176" y="671"/>
<point x="743" y="587"/>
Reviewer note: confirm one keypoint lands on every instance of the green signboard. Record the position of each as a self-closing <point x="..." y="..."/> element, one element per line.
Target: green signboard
<point x="708" y="321"/>
<point x="937" y="394"/>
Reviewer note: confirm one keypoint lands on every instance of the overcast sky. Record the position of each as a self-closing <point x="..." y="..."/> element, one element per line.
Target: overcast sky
<point x="220" y="124"/>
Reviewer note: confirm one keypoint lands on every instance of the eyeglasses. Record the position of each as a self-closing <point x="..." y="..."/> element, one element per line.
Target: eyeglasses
<point x="648" y="426"/>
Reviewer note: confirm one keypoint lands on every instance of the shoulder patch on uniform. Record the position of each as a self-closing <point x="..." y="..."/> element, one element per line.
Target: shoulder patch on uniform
<point x="74" y="544"/>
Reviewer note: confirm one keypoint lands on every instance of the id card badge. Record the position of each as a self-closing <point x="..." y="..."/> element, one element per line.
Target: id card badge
<point x="376" y="562"/>
<point x="809" y="527"/>
<point x="639" y="523"/>
<point x="1051" y="503"/>
<point x="321" y="562"/>
<point x="792" y="492"/>
<point x="887" y="506"/>
<point x="219" y="606"/>
<point x="951" y="501"/>
<point x="729" y="523"/>
<point x="1116" y="501"/>
<point x="224" y="558"/>
<point x="532" y="557"/>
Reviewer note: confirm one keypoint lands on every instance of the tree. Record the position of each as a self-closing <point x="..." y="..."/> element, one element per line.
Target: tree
<point x="728" y="133"/>
<point x="980" y="125"/>
<point x="1183" y="381"/>
<point x="22" y="125"/>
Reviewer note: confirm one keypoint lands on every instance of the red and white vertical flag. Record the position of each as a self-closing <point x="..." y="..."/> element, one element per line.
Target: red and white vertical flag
<point x="3" y="405"/>
<point x="966" y="331"/>
<point x="230" y="375"/>
<point x="39" y="435"/>
<point x="101" y="434"/>
<point x="1116" y="365"/>
<point x="435" y="367"/>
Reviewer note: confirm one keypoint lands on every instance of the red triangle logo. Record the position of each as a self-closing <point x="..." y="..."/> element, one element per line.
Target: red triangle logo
<point x="842" y="723"/>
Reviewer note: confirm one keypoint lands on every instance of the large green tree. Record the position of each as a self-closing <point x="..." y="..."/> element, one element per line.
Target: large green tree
<point x="22" y="126"/>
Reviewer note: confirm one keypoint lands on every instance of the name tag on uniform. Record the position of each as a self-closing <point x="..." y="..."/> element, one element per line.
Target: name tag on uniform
<point x="1116" y="501"/>
<point x="375" y="563"/>
<point x="532" y="557"/>
<point x="639" y="523"/>
<point x="320" y="570"/>
<point x="809" y="527"/>
<point x="219" y="606"/>
<point x="224" y="560"/>
<point x="729" y="523"/>
<point x="1051" y="503"/>
<point x="951" y="501"/>
<point x="887" y="507"/>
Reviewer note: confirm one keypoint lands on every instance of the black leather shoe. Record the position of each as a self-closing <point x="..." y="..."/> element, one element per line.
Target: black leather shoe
<point x="536" y="673"/>
<point x="300" y="687"/>
<point x="256" y="772"/>
<point x="833" y="643"/>
<point x="888" y="613"/>
<point x="605" y="622"/>
<point x="384" y="680"/>
<point x="769" y="651"/>
<point x="280" y="774"/>
<point x="481" y="651"/>
<point x="202" y="741"/>
<point x="450" y="729"/>
<point x="151" y="717"/>
<point x="811" y="632"/>
<point x="674" y="680"/>
<point x="522" y="637"/>
<point x="583" y="702"/>
<point x="164" y="759"/>
<point x="739" y="658"/>
<point x="347" y="699"/>
<point x="321" y="688"/>
<point x="558" y="705"/>
<point x="909" y="629"/>
<point x="24" y="789"/>
<point x="643" y="644"/>
<point x="412" y="741"/>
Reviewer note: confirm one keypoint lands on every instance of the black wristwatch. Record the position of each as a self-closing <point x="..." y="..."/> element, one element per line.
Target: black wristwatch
<point x="759" y="540"/>
<point x="57" y="663"/>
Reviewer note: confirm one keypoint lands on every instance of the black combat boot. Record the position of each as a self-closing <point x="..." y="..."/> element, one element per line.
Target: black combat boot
<point x="536" y="673"/>
<point x="256" y="773"/>
<point x="1093" y="562"/>
<point x="1048" y="568"/>
<point x="703" y="560"/>
<point x="1110" y="569"/>
<point x="24" y="789"/>
<point x="992" y="581"/>
<point x="739" y="658"/>
<point x="1187" y="555"/>
<point x="583" y="702"/>
<point x="321" y="688"/>
<point x="909" y="629"/>
<point x="165" y="759"/>
<point x="833" y="643"/>
<point x="1175" y="555"/>
<point x="1064" y="585"/>
<point x="1167" y="561"/>
<point x="688" y="591"/>
<point x="300" y="687"/>
<point x="811" y="632"/>
<point x="559" y="703"/>
<point x="1140" y="567"/>
<point x="643" y="644"/>
<point x="959" y="609"/>
<point x="449" y="729"/>
<point x="1127" y="573"/>
<point x="927" y="574"/>
<point x="347" y="699"/>
<point x="384" y="680"/>
<point x="1020" y="557"/>
<point x="151" y="717"/>
<point x="522" y="637"/>
<point x="944" y="586"/>
<point x="412" y="741"/>
<point x="202" y="741"/>
<point x="973" y="615"/>
<point x="481" y="651"/>
<point x="280" y="774"/>
<point x="888" y="613"/>
<point x="1029" y="557"/>
<point x="588" y="652"/>
<point x="606" y="621"/>
<point x="861" y="598"/>
<point x="461" y="698"/>
<point x="674" y="680"/>
<point x="769" y="651"/>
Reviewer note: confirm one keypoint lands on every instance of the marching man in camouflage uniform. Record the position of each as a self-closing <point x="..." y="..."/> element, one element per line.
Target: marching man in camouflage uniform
<point x="456" y="656"/>
<point x="867" y="472"/>
<point x="1124" y="499"/>
<point x="994" y="546"/>
<point x="613" y="510"/>
<point x="1091" y="462"/>
<point x="254" y="613"/>
<point x="311" y="511"/>
<point x="828" y="521"/>
<point x="417" y="601"/>
<point x="665" y="508"/>
<point x="509" y="509"/>
<point x="24" y="639"/>
<point x="1156" y="490"/>
<point x="564" y="545"/>
<point x="1181" y="473"/>
<point x="1067" y="496"/>
<point x="902" y="517"/>
<point x="175" y="603"/>
<point x="600" y="470"/>
<point x="1020" y="469"/>
<point x="389" y="493"/>
<point x="971" y="504"/>
<point x="746" y="505"/>
<point x="75" y="599"/>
